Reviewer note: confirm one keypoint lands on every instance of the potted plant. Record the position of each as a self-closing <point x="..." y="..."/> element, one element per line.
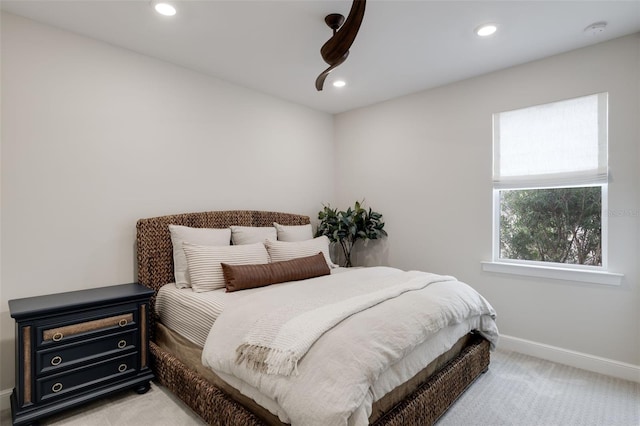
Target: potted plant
<point x="347" y="227"/>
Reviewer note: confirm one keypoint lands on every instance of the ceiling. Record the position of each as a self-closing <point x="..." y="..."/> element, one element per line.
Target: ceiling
<point x="403" y="46"/>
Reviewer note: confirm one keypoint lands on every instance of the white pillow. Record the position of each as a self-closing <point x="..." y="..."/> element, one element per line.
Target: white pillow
<point x="287" y="250"/>
<point x="204" y="262"/>
<point x="252" y="234"/>
<point x="294" y="232"/>
<point x="203" y="236"/>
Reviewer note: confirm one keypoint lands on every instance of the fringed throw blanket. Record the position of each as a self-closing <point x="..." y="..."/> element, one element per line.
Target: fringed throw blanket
<point x="345" y="340"/>
<point x="282" y="337"/>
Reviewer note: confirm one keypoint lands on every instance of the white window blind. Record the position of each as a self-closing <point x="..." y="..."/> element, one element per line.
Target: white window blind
<point x="558" y="144"/>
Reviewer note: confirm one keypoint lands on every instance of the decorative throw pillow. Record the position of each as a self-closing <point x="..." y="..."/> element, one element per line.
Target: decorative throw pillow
<point x="293" y="232"/>
<point x="252" y="234"/>
<point x="204" y="262"/>
<point x="284" y="250"/>
<point x="202" y="236"/>
<point x="242" y="277"/>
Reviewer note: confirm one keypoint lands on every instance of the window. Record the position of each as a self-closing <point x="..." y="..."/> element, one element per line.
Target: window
<point x="550" y="184"/>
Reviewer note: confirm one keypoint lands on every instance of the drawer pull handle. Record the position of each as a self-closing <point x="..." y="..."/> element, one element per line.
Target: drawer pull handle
<point x="122" y="368"/>
<point x="122" y="344"/>
<point x="123" y="322"/>
<point x="57" y="337"/>
<point x="56" y="387"/>
<point x="56" y="360"/>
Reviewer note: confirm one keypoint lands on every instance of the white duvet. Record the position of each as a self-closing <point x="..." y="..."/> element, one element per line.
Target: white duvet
<point x="365" y="355"/>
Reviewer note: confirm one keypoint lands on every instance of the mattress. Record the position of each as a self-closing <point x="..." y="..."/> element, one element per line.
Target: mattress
<point x="191" y="314"/>
<point x="188" y="313"/>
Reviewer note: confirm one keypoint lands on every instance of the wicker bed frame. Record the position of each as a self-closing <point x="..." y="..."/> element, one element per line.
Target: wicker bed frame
<point x="155" y="268"/>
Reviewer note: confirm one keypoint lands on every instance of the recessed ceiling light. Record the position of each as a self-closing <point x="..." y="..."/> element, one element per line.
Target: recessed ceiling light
<point x="164" y="9"/>
<point x="339" y="83"/>
<point x="486" y="30"/>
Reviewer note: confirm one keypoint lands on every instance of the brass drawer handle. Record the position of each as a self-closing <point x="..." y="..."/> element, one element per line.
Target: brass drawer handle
<point x="123" y="322"/>
<point x="56" y="360"/>
<point x="57" y="337"/>
<point x="122" y="368"/>
<point x="56" y="387"/>
<point x="122" y="344"/>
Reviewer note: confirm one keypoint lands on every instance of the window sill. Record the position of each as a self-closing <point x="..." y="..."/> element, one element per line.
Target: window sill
<point x="579" y="275"/>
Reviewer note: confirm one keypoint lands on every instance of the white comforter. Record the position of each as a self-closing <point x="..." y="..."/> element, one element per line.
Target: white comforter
<point x="341" y="375"/>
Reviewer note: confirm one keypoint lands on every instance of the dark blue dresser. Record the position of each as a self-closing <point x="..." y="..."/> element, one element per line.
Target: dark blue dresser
<point x="74" y="347"/>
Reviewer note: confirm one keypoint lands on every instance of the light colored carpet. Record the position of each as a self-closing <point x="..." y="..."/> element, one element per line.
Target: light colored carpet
<point x="517" y="390"/>
<point x="526" y="391"/>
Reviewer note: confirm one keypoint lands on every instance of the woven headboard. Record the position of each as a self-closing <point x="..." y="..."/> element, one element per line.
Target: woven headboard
<point x="155" y="253"/>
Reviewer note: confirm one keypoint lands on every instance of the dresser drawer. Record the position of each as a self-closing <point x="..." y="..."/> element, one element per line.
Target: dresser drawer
<point x="59" y="385"/>
<point x="89" y="324"/>
<point x="60" y="357"/>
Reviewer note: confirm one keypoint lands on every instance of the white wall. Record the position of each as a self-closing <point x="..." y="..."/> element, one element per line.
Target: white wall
<point x="424" y="161"/>
<point x="95" y="137"/>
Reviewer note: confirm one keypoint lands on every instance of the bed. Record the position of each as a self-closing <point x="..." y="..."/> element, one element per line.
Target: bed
<point x="176" y="358"/>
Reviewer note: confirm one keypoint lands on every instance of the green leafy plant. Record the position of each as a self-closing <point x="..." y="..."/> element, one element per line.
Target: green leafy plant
<point x="348" y="226"/>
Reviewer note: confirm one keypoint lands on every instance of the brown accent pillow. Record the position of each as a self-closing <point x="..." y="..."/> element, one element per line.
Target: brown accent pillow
<point x="242" y="277"/>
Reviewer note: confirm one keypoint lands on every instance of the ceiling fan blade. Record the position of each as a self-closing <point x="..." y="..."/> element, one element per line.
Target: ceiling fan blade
<point x="323" y="75"/>
<point x="338" y="45"/>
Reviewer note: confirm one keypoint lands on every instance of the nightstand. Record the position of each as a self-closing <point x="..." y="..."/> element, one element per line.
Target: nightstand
<point x="75" y="347"/>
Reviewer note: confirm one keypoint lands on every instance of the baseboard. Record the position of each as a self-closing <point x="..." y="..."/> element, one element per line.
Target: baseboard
<point x="5" y="399"/>
<point x="580" y="360"/>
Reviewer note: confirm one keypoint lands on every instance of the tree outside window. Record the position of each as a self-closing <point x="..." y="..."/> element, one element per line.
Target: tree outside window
<point x="561" y="225"/>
